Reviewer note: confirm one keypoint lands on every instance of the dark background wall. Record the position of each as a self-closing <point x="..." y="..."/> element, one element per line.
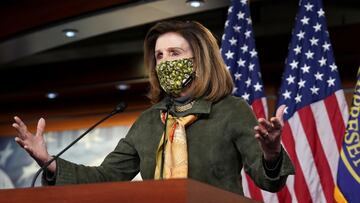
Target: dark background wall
<point x="86" y="72"/>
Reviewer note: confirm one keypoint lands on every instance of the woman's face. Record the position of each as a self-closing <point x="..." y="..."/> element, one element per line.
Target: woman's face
<point x="171" y="46"/>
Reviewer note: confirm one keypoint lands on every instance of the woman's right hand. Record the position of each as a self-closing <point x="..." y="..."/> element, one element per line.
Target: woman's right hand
<point x="34" y="144"/>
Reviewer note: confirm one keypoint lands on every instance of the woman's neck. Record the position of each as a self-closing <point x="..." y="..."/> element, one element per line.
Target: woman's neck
<point x="183" y="99"/>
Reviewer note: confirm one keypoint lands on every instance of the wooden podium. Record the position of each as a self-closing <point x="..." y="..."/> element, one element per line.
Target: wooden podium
<point x="172" y="191"/>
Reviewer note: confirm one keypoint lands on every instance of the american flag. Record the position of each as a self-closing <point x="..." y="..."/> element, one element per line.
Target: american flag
<point x="316" y="108"/>
<point x="240" y="56"/>
<point x="239" y="53"/>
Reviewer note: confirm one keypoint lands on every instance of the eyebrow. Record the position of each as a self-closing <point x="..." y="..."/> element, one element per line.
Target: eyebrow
<point x="171" y="48"/>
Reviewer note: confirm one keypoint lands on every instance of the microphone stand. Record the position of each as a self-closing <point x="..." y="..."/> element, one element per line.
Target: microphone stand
<point x="119" y="108"/>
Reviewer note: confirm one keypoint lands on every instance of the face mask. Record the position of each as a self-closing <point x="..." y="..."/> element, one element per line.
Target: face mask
<point x="175" y="75"/>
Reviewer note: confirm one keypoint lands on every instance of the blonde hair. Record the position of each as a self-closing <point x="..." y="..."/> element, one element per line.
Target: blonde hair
<point x="212" y="82"/>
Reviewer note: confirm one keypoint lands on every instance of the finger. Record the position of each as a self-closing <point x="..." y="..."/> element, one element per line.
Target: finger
<point x="20" y="142"/>
<point x="276" y="123"/>
<point x="23" y="145"/>
<point x="259" y="137"/>
<point x="29" y="150"/>
<point x="40" y="127"/>
<point x="17" y="128"/>
<point x="19" y="121"/>
<point x="280" y="113"/>
<point x="262" y="132"/>
<point x="265" y="124"/>
<point x="22" y="126"/>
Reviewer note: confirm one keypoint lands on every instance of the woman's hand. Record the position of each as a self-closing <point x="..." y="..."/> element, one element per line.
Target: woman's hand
<point x="268" y="133"/>
<point x="34" y="144"/>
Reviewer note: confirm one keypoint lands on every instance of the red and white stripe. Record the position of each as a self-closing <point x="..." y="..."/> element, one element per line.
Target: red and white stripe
<point x="312" y="137"/>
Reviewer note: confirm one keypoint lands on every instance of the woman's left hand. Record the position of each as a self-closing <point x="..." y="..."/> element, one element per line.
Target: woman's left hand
<point x="268" y="133"/>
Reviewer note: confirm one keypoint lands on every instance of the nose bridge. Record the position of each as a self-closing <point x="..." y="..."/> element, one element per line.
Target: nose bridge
<point x="166" y="55"/>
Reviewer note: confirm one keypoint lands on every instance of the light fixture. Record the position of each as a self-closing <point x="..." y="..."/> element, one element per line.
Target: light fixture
<point x="122" y="87"/>
<point x="52" y="95"/>
<point x="195" y="3"/>
<point x="70" y="33"/>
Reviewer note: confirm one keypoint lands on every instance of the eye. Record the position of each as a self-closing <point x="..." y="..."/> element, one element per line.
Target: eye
<point x="158" y="56"/>
<point x="174" y="53"/>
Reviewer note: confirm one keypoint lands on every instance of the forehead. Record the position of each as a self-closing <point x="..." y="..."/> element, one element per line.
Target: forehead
<point x="170" y="39"/>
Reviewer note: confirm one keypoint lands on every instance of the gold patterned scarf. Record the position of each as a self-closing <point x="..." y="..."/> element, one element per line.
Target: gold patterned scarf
<point x="176" y="154"/>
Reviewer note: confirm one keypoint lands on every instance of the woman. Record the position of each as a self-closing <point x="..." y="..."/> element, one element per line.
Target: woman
<point x="209" y="135"/>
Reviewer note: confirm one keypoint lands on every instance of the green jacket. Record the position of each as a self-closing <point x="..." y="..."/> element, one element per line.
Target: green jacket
<point x="220" y="143"/>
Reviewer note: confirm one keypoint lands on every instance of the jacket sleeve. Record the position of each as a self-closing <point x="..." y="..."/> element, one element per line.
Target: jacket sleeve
<point x="120" y="165"/>
<point x="252" y="156"/>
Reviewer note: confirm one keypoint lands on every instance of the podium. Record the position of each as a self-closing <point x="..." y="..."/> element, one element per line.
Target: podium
<point x="172" y="191"/>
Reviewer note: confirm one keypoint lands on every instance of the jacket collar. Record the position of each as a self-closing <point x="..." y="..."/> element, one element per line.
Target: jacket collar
<point x="201" y="106"/>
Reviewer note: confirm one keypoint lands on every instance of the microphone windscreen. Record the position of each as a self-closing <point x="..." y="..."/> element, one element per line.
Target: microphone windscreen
<point x="120" y="107"/>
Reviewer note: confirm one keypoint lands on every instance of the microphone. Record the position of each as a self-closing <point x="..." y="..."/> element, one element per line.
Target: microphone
<point x="119" y="108"/>
<point x="169" y="103"/>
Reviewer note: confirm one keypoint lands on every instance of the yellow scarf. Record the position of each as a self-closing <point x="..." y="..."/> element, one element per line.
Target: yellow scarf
<point x="176" y="155"/>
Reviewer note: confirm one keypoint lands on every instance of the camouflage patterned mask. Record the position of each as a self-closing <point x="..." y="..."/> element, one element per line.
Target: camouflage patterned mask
<point x="175" y="75"/>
